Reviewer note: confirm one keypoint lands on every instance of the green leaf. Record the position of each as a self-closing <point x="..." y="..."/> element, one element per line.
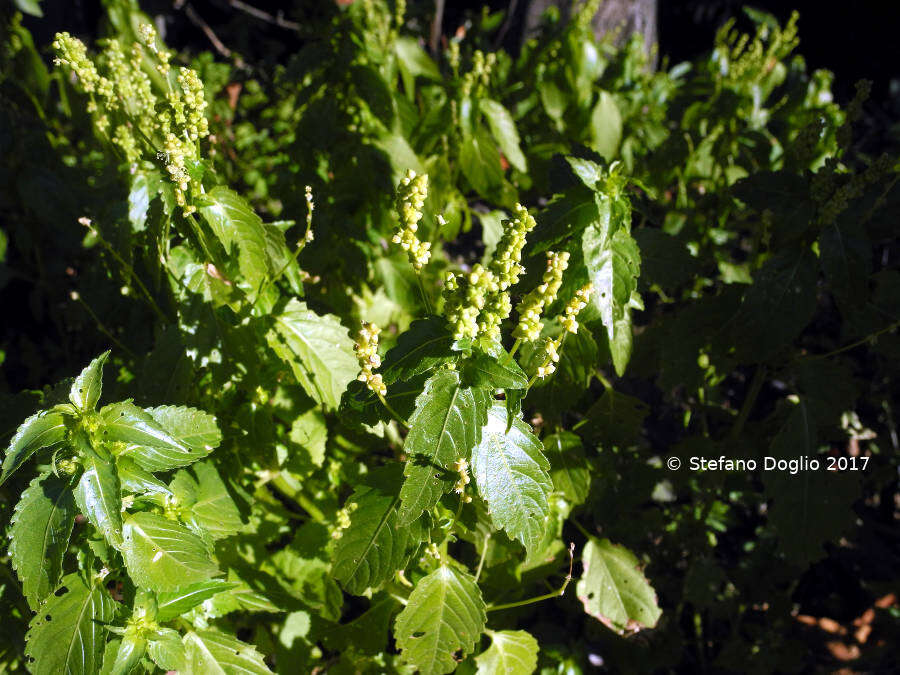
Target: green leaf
<point x="512" y="652"/>
<point x="665" y="260"/>
<point x="424" y="346"/>
<point x="67" y="635"/>
<point x="32" y="7"/>
<point x="480" y="163"/>
<point x="778" y="305"/>
<point x="444" y="614"/>
<point x="41" y="527"/>
<point x="374" y="547"/>
<point x="99" y="497"/>
<point x="494" y="371"/>
<point x="414" y="59"/>
<point x="162" y="555"/>
<point x="368" y="632"/>
<point x="128" y="655"/>
<point x="160" y="439"/>
<point x="136" y="480"/>
<point x="614" y="590"/>
<point x="846" y="257"/>
<point x="504" y="130"/>
<point x="570" y="214"/>
<point x="570" y="472"/>
<point x="173" y="604"/>
<point x="143" y="190"/>
<point x="606" y="126"/>
<point x="310" y="432"/>
<point x="42" y="430"/>
<point x="512" y="476"/>
<point x="237" y="226"/>
<point x="613" y="264"/>
<point x="166" y="649"/>
<point x="360" y="405"/>
<point x="318" y="350"/>
<point x="443" y="429"/>
<point x="214" y="510"/>
<point x="88" y="385"/>
<point x="212" y="652"/>
<point x="808" y="507"/>
<point x="615" y="419"/>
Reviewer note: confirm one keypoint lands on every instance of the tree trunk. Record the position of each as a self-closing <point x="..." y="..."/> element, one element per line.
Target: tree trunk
<point x="622" y="18"/>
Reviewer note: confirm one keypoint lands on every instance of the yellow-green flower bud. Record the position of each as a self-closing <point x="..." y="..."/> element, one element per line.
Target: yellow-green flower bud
<point x="532" y="305"/>
<point x="411" y="194"/>
<point x="578" y="302"/>
<point x="366" y="348"/>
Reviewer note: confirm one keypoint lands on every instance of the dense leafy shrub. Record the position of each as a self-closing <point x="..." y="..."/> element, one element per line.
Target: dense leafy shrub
<point x="584" y="271"/>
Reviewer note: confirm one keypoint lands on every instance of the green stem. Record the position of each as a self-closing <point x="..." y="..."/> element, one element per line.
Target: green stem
<point x="515" y="347"/>
<point x="101" y="327"/>
<point x="425" y="299"/>
<point x="281" y="484"/>
<point x="397" y="416"/>
<point x="540" y="598"/>
<point x="852" y="345"/>
<point x="487" y="539"/>
<point x="759" y="377"/>
<point x="130" y="273"/>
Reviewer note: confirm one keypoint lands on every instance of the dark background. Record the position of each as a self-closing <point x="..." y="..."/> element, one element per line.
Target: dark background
<point x="855" y="40"/>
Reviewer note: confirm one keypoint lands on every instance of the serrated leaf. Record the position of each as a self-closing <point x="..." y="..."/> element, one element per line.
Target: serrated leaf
<point x="606" y="126"/>
<point x="613" y="264"/>
<point x="135" y="480"/>
<point x="479" y="161"/>
<point x="374" y="547"/>
<point x="615" y="419"/>
<point x="809" y="507"/>
<point x="613" y="589"/>
<point x="570" y="214"/>
<point x="360" y="405"/>
<point x="214" y="510"/>
<point x="495" y="372"/>
<point x="504" y="131"/>
<point x="512" y="652"/>
<point x="166" y="649"/>
<point x="318" y="350"/>
<point x="210" y="652"/>
<point x="41" y="527"/>
<point x="88" y="385"/>
<point x="512" y="476"/>
<point x="368" y="632"/>
<point x="173" y="604"/>
<point x="130" y="651"/>
<point x="570" y="472"/>
<point x="443" y="429"/>
<point x="99" y="497"/>
<point x="42" y="430"/>
<point x="444" y="614"/>
<point x="846" y="258"/>
<point x="162" y="555"/>
<point x="67" y="635"/>
<point x="161" y="438"/>
<point x="778" y="305"/>
<point x="424" y="346"/>
<point x="241" y="231"/>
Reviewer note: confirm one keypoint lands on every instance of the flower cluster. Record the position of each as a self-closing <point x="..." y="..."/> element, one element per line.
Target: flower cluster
<point x="478" y="302"/>
<point x="573" y="308"/>
<point x="411" y="195"/>
<point x="366" y="348"/>
<point x="570" y="325"/>
<point x="342" y="520"/>
<point x="123" y="93"/>
<point x="552" y="349"/>
<point x="461" y="467"/>
<point x="533" y="304"/>
<point x="480" y="76"/>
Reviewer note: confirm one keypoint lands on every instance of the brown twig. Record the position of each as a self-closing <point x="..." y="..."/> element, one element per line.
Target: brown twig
<point x="276" y="19"/>
<point x="436" y="26"/>
<point x="198" y="21"/>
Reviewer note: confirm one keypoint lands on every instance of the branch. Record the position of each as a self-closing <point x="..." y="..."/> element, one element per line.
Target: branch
<point x="275" y="19"/>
